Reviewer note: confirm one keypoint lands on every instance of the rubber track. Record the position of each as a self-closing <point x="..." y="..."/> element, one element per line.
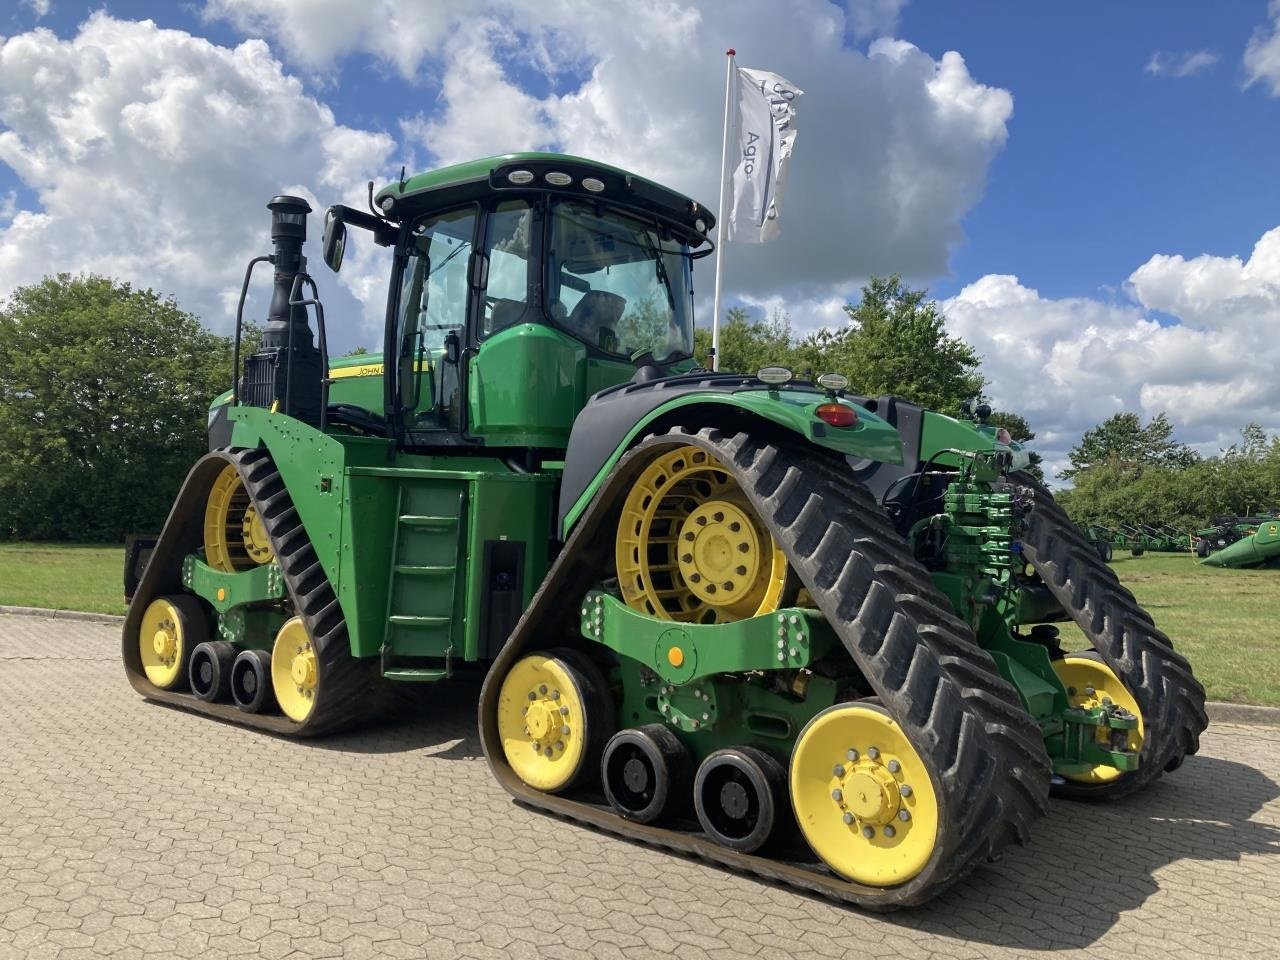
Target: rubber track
<point x="984" y="751"/>
<point x="1125" y="636"/>
<point x="346" y="685"/>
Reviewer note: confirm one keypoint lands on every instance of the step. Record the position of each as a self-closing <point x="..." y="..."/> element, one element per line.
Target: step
<point x="423" y="520"/>
<point x="419" y="570"/>
<point x="415" y="674"/>
<point x="405" y="620"/>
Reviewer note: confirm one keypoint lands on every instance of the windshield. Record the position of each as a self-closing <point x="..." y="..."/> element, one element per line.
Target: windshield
<point x="616" y="284"/>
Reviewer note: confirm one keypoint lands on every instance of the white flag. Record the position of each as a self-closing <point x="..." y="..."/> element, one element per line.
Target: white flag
<point x="764" y="133"/>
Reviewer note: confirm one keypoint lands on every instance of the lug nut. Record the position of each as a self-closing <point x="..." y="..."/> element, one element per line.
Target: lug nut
<point x="782" y="618"/>
<point x="742" y="571"/>
<point x="837" y="795"/>
<point x="905" y="789"/>
<point x="735" y="527"/>
<point x="686" y="558"/>
<point x="560" y="746"/>
<point x="543" y="689"/>
<point x="894" y="766"/>
<point x="904" y="815"/>
<point x="781" y="644"/>
<point x="873" y="753"/>
<point x="837" y="770"/>
<point x="565" y="729"/>
<point x="564" y="711"/>
<point x="548" y="752"/>
<point x="555" y="694"/>
<point x="847" y="818"/>
<point x="791" y="652"/>
<point x="794" y="619"/>
<point x="852" y="755"/>
<point x="1089" y="691"/>
<point x="889" y="831"/>
<point x="868" y="832"/>
<point x="533" y="695"/>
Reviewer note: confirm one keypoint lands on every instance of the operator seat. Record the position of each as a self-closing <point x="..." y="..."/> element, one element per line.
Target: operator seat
<point x="595" y="317"/>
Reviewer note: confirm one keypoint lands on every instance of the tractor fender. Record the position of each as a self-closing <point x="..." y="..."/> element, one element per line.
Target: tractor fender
<point x="615" y="419"/>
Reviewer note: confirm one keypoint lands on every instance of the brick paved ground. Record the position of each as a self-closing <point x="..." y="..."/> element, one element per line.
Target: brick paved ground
<point x="129" y="829"/>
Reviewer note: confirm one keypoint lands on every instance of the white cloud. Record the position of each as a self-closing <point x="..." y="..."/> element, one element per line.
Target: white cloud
<point x="1165" y="64"/>
<point x="874" y="18"/>
<point x="40" y="8"/>
<point x="1069" y="363"/>
<point x="153" y="153"/>
<point x="1262" y="55"/>
<point x="893" y="145"/>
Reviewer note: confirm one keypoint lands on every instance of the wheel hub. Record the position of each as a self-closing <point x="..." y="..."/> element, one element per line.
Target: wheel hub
<point x="303" y="670"/>
<point x="636" y="775"/>
<point x="546" y="721"/>
<point x="869" y="792"/>
<point x="734" y="800"/>
<point x="165" y="642"/>
<point x="719" y="552"/>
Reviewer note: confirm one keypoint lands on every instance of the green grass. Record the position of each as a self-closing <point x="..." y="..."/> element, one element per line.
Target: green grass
<point x="1223" y="620"/>
<point x="62" y="576"/>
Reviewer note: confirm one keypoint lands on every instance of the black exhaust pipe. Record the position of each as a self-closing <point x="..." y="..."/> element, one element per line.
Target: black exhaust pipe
<point x="285" y="373"/>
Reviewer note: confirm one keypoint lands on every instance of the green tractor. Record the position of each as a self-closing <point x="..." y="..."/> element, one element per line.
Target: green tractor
<point x="801" y="633"/>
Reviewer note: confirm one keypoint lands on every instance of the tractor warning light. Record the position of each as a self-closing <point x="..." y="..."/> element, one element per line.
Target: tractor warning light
<point x="837" y="415"/>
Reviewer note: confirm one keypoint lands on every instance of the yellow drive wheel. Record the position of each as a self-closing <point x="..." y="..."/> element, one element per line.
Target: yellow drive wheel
<point x="690" y="547"/>
<point x="548" y="710"/>
<point x="862" y="796"/>
<point x="1091" y="683"/>
<point x="295" y="670"/>
<point x="171" y="628"/>
<point x="234" y="536"/>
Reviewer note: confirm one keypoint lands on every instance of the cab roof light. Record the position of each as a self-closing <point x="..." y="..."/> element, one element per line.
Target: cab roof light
<point x="774" y="376"/>
<point x="520" y="177"/>
<point x="557" y="179"/>
<point x="594" y="184"/>
<point x="833" y="381"/>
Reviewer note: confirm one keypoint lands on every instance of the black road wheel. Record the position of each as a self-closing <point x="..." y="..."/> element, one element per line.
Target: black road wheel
<point x="210" y="670"/>
<point x="251" y="681"/>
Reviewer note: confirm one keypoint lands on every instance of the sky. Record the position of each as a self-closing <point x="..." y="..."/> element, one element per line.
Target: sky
<point x="1088" y="189"/>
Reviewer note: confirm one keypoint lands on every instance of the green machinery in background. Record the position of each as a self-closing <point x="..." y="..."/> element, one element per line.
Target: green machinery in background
<point x="802" y="633"/>
<point x="1240" y="541"/>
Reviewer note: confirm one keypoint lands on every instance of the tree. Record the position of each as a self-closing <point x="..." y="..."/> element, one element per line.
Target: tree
<point x="104" y="394"/>
<point x="1122" y="441"/>
<point x="897" y="342"/>
<point x="746" y="345"/>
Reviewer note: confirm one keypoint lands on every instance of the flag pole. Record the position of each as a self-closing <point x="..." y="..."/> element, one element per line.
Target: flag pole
<point x="723" y="214"/>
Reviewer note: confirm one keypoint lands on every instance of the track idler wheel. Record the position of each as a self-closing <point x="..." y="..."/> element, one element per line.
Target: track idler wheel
<point x="1091" y="683"/>
<point x="251" y="681"/>
<point x="863" y="796"/>
<point x="210" y="670"/>
<point x="295" y="670"/>
<point x="740" y="795"/>
<point x="645" y="772"/>
<point x="172" y="627"/>
<point x="554" y="717"/>
<point x="235" y="537"/>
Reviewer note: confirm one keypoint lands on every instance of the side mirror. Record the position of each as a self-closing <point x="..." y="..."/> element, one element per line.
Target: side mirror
<point x="452" y="347"/>
<point x="335" y="241"/>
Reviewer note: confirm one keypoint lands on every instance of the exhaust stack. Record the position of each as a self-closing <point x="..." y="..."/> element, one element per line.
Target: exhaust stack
<point x="285" y="373"/>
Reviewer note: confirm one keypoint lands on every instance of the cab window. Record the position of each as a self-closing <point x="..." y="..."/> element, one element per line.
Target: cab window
<point x="506" y="244"/>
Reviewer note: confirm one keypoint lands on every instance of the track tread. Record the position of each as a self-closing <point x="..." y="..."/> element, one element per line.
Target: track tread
<point x="1124" y="634"/>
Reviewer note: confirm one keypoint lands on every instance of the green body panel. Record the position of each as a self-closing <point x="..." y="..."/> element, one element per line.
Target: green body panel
<point x="871" y="437"/>
<point x="941" y="433"/>
<point x="404" y="538"/>
<point x="1251" y="551"/>
<point x="528" y="383"/>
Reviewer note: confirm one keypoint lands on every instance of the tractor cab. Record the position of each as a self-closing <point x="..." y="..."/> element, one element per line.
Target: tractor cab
<point x="521" y="286"/>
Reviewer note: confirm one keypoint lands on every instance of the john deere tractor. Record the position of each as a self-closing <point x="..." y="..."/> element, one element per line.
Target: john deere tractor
<point x="801" y="633"/>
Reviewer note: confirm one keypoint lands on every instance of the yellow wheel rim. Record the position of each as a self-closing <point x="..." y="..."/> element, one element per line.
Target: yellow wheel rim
<point x="294" y="670"/>
<point x="230" y="521"/>
<point x="542" y="722"/>
<point x="1091" y="683"/>
<point x="863" y="797"/>
<point x="162" y="642"/>
<point x="253" y="534"/>
<point x="691" y="548"/>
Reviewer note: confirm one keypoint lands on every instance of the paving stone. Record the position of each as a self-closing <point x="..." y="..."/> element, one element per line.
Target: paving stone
<point x="131" y="830"/>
